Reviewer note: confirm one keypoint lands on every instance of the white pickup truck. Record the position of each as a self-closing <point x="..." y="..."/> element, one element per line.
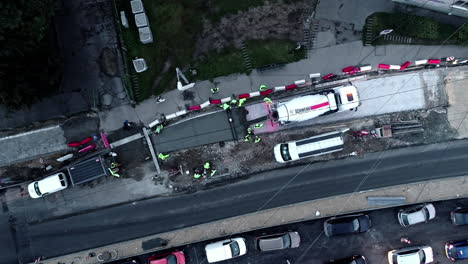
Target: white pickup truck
<point x="312" y="105"/>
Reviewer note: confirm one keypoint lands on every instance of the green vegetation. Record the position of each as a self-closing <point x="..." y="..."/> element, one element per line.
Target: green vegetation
<point x="265" y="52"/>
<point x="425" y="30"/>
<point x="261" y="52"/>
<point x="226" y="62"/>
<point x="463" y="35"/>
<point x="30" y="67"/>
<point x="175" y="26"/>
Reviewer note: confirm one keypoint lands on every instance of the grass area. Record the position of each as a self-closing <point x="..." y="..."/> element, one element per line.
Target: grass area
<point x="226" y="62"/>
<point x="261" y="52"/>
<point x="175" y="26"/>
<point x="423" y="29"/>
<point x="265" y="52"/>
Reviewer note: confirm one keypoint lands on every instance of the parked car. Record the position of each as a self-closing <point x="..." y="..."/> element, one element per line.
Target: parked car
<point x="349" y="224"/>
<point x="177" y="257"/>
<point x="416" y="214"/>
<point x="411" y="255"/>
<point x="278" y="241"/>
<point x="456" y="250"/>
<point x="459" y="216"/>
<point x="356" y="259"/>
<point x="226" y="249"/>
<point x="48" y="185"/>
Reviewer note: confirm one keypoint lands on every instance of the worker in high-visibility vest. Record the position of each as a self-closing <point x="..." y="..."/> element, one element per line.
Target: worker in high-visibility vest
<point x="267" y="100"/>
<point x="158" y="129"/>
<point x="262" y="88"/>
<point x="225" y="106"/>
<point x="162" y="156"/>
<point x="114" y="173"/>
<point x="257" y="139"/>
<point x="258" y="125"/>
<point x="241" y="102"/>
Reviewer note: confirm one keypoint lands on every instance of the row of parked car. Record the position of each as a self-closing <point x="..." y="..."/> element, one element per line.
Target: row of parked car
<point x="339" y="225"/>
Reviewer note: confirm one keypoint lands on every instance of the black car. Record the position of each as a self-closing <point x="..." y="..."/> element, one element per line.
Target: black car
<point x="349" y="224"/>
<point x="459" y="216"/>
<point x="356" y="259"/>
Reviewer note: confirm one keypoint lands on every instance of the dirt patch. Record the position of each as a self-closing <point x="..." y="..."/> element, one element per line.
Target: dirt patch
<point x="108" y="62"/>
<point x="270" y="21"/>
<point x="235" y="160"/>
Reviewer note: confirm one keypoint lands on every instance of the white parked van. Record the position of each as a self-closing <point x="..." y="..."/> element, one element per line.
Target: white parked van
<point x="313" y="146"/>
<point x="50" y="184"/>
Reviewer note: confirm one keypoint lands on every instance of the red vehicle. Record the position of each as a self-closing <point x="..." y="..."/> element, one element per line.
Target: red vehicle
<point x="433" y="61"/>
<point x="176" y="257"/>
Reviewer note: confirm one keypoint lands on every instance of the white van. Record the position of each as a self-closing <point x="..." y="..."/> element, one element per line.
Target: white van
<point x="50" y="184"/>
<point x="313" y="146"/>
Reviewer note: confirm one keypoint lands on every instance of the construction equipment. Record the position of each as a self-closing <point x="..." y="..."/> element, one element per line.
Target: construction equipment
<point x="402" y="127"/>
<point x="309" y="106"/>
<point x="187" y="85"/>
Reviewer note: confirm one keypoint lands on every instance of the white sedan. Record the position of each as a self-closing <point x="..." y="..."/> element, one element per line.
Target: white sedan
<point x="226" y="249"/>
<point x="416" y="214"/>
<point x="411" y="255"/>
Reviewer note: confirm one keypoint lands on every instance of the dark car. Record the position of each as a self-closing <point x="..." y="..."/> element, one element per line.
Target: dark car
<point x="459" y="216"/>
<point x="278" y="241"/>
<point x="356" y="259"/>
<point x="349" y="224"/>
<point x="456" y="250"/>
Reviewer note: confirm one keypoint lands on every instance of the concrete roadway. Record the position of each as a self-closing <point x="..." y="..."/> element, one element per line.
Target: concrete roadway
<point x="102" y="227"/>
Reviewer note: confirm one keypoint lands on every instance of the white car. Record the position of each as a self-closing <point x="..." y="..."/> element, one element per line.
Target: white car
<point x="416" y="214"/>
<point x="50" y="184"/>
<point x="226" y="249"/>
<point x="411" y="255"/>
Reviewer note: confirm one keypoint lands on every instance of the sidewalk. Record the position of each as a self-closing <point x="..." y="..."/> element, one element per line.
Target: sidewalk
<point x="445" y="189"/>
<point x="352" y="53"/>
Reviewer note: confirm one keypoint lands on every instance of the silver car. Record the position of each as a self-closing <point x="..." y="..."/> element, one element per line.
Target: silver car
<point x="278" y="241"/>
<point x="416" y="214"/>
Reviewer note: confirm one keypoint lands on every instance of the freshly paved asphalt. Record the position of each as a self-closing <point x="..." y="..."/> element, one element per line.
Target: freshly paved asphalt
<point x="60" y="236"/>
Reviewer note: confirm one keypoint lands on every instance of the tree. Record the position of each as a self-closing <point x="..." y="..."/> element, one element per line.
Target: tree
<point x="463" y="35"/>
<point x="25" y="50"/>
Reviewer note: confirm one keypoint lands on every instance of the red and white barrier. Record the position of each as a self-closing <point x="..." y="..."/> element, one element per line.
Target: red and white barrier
<point x="194" y="107"/>
<point x="383" y="66"/>
<point x="420" y="62"/>
<point x="226" y="100"/>
<point x="280" y="88"/>
<point x="205" y="104"/>
<point x="405" y="65"/>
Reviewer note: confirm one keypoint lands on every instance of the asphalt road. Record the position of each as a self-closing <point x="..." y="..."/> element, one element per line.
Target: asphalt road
<point x="297" y="184"/>
<point x="384" y="235"/>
